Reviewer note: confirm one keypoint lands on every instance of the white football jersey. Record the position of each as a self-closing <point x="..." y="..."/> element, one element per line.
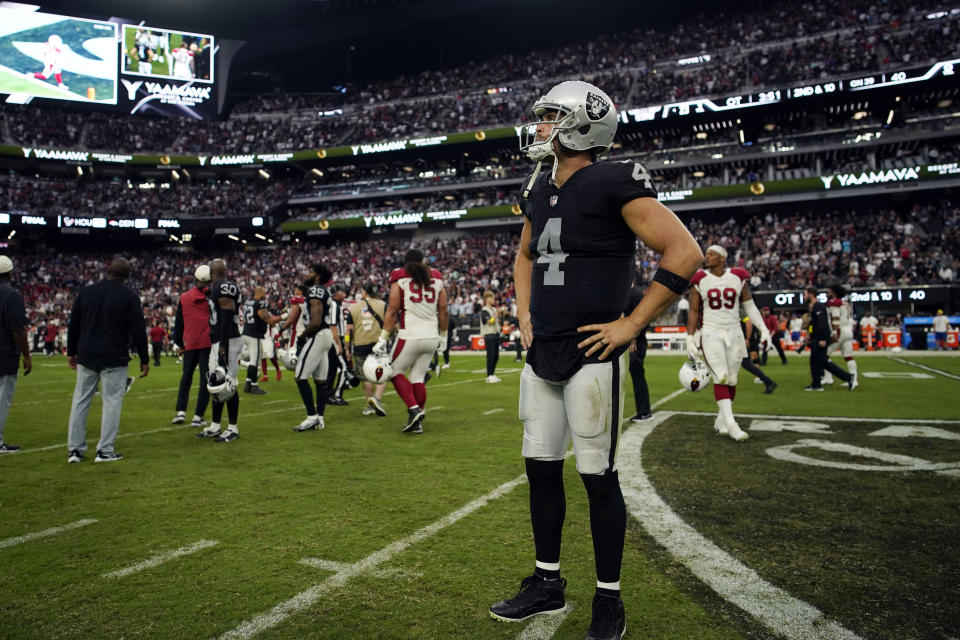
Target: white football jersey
<point x="841" y="315"/>
<point x="418" y="307"/>
<point x="181" y="63"/>
<point x="720" y="297"/>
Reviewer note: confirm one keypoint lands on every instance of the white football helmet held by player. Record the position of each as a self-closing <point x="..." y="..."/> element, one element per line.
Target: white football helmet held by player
<point x="221" y="385"/>
<point x="586" y="120"/>
<point x="288" y="357"/>
<point x="694" y="375"/>
<point x="377" y="368"/>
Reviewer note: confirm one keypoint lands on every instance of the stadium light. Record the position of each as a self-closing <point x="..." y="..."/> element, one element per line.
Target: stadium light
<point x="262" y="237"/>
<point x="860" y="115"/>
<point x="12" y="233"/>
<point x="263" y="174"/>
<point x="316" y="172"/>
<point x="233" y="237"/>
<point x="175" y="175"/>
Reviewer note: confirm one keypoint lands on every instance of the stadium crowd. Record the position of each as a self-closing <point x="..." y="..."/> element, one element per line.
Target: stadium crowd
<point x="781" y="251"/>
<point x="123" y="198"/>
<point x="791" y="42"/>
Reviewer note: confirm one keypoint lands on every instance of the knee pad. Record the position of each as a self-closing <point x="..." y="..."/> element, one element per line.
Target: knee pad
<point x="602" y="488"/>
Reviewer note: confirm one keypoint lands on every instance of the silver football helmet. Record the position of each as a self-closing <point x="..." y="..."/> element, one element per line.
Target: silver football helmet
<point x="221" y="385"/>
<point x="586" y="119"/>
<point x="694" y="375"/>
<point x="288" y="357"/>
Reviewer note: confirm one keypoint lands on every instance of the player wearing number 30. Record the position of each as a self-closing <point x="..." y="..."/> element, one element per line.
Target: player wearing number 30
<point x="418" y="308"/>
<point x="716" y="297"/>
<point x="572" y="275"/>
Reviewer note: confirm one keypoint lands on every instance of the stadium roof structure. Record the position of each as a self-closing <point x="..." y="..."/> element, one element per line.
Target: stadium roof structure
<point x="313" y="41"/>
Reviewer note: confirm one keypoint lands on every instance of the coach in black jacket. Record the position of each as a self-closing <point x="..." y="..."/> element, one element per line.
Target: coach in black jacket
<point x="819" y="339"/>
<point x="105" y="317"/>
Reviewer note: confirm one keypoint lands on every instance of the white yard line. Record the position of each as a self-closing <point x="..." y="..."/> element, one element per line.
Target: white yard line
<point x="307" y="598"/>
<point x="771" y="416"/>
<point x="159" y="559"/>
<point x="336" y="567"/>
<point x="487" y="413"/>
<point x="9" y="542"/>
<point x="773" y="607"/>
<point x="926" y="368"/>
<point x="543" y="627"/>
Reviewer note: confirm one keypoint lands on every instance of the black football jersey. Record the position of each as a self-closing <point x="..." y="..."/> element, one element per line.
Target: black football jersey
<point x="253" y="324"/>
<point x="317" y="292"/>
<point x="584" y="256"/>
<point x="583" y="249"/>
<point x="224" y="289"/>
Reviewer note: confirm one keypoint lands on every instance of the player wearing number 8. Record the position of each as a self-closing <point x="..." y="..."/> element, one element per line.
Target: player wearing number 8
<point x="716" y="296"/>
<point x="572" y="276"/>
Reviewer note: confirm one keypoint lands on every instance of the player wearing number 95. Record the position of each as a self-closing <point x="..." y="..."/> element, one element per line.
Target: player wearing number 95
<point x="418" y="309"/>
<point x="716" y="297"/>
<point x="572" y="276"/>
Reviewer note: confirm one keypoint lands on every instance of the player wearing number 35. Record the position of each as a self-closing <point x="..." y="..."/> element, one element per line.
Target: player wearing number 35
<point x="572" y="276"/>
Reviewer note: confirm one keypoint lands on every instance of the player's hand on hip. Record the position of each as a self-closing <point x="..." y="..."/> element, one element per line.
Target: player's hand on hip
<point x="608" y="337"/>
<point x="526" y="329"/>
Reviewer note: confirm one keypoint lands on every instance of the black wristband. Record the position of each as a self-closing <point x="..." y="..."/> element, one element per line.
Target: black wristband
<point x="671" y="281"/>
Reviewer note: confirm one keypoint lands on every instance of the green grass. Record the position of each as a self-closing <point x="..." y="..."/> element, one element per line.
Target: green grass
<point x="275" y="497"/>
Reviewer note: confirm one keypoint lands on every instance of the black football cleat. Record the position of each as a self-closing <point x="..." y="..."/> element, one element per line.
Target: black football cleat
<point x="414" y="421"/>
<point x="537" y="596"/>
<point x="771" y="386"/>
<point x="609" y="621"/>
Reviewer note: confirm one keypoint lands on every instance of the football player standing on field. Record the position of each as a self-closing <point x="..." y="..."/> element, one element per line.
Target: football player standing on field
<point x="225" y="304"/>
<point x="418" y="306"/>
<point x="319" y="335"/>
<point x="716" y="297"/>
<point x="572" y="276"/>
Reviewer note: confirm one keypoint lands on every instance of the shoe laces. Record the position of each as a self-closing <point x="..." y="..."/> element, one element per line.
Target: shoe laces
<point x="606" y="617"/>
<point x="532" y="589"/>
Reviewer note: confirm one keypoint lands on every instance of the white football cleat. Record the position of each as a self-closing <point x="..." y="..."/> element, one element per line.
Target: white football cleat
<point x="720" y="426"/>
<point x="736" y="433"/>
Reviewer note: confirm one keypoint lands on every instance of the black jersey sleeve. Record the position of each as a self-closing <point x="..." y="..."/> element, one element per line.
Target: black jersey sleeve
<point x="628" y="181"/>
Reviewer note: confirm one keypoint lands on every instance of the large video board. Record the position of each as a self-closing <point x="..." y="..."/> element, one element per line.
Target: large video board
<point x="135" y="68"/>
<point x="58" y="57"/>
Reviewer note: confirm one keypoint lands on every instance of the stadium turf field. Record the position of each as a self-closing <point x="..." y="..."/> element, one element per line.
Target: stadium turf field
<point x="840" y="521"/>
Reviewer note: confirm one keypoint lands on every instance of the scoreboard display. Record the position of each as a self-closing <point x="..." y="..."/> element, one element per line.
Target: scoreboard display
<point x="135" y="68"/>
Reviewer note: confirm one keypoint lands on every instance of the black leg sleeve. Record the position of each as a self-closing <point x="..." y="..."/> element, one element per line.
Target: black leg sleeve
<point x="608" y="523"/>
<point x="548" y="507"/>
<point x="755" y="370"/>
<point x="306" y="395"/>
<point x="321" y="396"/>
<point x="233" y="408"/>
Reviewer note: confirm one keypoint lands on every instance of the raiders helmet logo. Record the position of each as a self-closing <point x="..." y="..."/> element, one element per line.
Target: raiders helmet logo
<point x="597" y="107"/>
<point x="553" y="200"/>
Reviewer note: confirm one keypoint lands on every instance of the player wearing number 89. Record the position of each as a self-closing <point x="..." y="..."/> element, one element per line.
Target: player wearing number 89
<point x="418" y="309"/>
<point x="572" y="275"/>
<point x="716" y="296"/>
